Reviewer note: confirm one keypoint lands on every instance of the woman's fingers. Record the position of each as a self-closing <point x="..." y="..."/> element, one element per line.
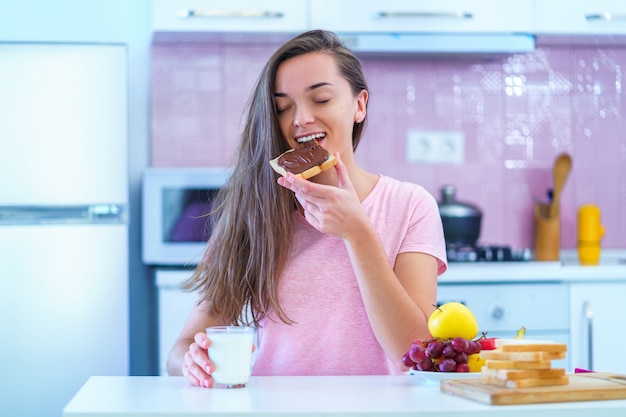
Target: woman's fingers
<point x="328" y="209"/>
<point x="189" y="374"/>
<point x="197" y="367"/>
<point x="202" y="340"/>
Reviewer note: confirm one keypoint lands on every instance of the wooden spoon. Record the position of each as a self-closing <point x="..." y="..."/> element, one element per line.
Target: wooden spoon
<point x="560" y="172"/>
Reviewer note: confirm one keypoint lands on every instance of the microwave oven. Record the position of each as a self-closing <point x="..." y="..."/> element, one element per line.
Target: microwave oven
<point x="175" y="215"/>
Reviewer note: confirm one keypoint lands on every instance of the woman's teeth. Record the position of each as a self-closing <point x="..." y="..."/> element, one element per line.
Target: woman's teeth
<point x="311" y="137"/>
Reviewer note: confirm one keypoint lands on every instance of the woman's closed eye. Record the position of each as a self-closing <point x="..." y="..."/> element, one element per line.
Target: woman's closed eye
<point x="282" y="106"/>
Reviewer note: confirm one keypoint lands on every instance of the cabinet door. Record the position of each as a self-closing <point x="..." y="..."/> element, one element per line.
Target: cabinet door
<point x="174" y="308"/>
<point x="398" y="16"/>
<point x="501" y="309"/>
<point x="578" y="17"/>
<point x="231" y="16"/>
<point x="598" y="326"/>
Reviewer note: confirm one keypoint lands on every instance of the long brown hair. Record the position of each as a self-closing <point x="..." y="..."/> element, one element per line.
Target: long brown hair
<point x="253" y="218"/>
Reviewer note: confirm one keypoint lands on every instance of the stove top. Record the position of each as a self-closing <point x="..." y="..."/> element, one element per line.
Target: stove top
<point x="487" y="253"/>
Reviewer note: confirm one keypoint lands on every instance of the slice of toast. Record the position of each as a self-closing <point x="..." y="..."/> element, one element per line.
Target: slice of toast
<point x="502" y="364"/>
<point x="517" y="374"/>
<point x="499" y="354"/>
<point x="525" y="383"/>
<point x="534" y="347"/>
<point x="311" y="172"/>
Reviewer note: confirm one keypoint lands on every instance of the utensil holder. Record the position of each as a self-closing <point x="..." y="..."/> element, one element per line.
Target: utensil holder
<point x="547" y="234"/>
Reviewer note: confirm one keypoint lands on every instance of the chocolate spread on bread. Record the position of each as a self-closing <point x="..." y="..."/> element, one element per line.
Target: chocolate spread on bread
<point x="304" y="156"/>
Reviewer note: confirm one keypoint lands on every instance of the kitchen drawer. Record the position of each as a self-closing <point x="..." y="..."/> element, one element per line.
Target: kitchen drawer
<point x="422" y="16"/>
<point x="507" y="307"/>
<point x="243" y="16"/>
<point x="564" y="17"/>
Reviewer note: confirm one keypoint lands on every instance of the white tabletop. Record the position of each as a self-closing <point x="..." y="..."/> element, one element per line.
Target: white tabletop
<point x="302" y="396"/>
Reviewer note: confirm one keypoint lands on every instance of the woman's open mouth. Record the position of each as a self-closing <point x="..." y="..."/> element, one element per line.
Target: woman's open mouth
<point x="317" y="136"/>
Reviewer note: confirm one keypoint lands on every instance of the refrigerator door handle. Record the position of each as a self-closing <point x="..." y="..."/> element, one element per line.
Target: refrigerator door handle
<point x="82" y="214"/>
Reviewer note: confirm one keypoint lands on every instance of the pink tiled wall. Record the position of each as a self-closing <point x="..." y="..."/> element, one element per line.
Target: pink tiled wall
<point x="517" y="113"/>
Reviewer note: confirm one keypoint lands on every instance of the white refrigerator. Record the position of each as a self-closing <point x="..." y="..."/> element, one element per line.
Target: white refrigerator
<point x="63" y="222"/>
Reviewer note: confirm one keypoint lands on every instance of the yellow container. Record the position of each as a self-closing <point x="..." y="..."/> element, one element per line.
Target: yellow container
<point x="590" y="233"/>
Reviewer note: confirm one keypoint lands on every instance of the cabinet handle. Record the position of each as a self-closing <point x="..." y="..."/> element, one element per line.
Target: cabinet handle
<point x="589" y="317"/>
<point x="605" y="16"/>
<point x="246" y="14"/>
<point x="426" y="15"/>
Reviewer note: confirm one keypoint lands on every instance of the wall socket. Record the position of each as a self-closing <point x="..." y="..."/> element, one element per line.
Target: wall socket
<point x="443" y="147"/>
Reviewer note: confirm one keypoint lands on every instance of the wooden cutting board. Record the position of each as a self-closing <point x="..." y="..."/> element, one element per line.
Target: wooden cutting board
<point x="593" y="386"/>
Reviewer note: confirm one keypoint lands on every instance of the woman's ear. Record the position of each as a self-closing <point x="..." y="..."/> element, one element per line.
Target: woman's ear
<point x="361" y="106"/>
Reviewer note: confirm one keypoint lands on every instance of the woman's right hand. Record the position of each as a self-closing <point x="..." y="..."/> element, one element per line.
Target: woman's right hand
<point x="197" y="367"/>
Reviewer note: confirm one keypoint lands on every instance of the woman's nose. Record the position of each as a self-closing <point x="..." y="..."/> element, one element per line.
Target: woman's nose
<point x="303" y="117"/>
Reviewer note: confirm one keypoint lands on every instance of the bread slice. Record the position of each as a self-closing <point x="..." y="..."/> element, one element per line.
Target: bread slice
<point x="501" y="364"/>
<point x="499" y="354"/>
<point x="534" y="347"/>
<point x="517" y="374"/>
<point x="525" y="383"/>
<point x="311" y="172"/>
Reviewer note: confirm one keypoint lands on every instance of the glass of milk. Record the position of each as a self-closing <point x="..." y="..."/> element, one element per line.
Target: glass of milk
<point x="230" y="351"/>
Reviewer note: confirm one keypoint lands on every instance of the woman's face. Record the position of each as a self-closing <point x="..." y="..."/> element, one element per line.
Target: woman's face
<point x="314" y="100"/>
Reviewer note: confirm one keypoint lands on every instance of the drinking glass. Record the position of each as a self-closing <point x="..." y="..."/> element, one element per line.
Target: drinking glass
<point x="230" y="351"/>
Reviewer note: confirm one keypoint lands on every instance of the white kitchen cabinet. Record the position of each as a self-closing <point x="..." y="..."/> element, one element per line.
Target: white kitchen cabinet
<point x="598" y="326"/>
<point x="243" y="16"/>
<point x="421" y="16"/>
<point x="501" y="309"/>
<point x="174" y="307"/>
<point x="567" y="17"/>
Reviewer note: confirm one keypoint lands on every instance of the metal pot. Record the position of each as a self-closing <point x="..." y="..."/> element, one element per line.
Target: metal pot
<point x="461" y="221"/>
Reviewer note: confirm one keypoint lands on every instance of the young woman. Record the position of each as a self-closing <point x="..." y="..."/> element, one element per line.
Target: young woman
<point x="338" y="272"/>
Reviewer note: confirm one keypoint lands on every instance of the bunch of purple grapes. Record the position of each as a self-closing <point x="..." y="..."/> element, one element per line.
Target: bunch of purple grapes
<point x="437" y="355"/>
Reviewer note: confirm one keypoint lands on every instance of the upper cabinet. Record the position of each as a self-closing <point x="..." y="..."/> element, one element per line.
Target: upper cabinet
<point x="566" y="17"/>
<point x="422" y="16"/>
<point x="281" y="16"/>
<point x="403" y="18"/>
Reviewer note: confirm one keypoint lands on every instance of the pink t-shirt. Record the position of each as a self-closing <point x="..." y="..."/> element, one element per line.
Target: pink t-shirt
<point x="319" y="292"/>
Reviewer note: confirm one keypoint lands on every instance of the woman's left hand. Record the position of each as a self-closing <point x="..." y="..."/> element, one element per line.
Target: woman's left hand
<point x="331" y="210"/>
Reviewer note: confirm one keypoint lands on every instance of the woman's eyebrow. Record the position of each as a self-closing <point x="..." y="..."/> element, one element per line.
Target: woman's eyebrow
<point x="309" y="88"/>
<point x="318" y="85"/>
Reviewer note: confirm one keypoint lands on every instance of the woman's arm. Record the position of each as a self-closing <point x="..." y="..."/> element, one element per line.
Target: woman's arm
<point x="398" y="299"/>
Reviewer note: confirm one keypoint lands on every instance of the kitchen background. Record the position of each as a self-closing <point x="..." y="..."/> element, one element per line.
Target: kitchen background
<point x="517" y="113"/>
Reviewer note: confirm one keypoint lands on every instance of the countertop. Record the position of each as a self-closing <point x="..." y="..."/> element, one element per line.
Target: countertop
<point x="405" y="395"/>
<point x="612" y="267"/>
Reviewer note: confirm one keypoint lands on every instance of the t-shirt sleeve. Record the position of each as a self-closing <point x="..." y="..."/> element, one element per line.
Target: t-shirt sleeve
<point x="425" y="230"/>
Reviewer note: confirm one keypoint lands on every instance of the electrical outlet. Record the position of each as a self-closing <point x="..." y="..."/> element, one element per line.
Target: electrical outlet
<point x="435" y="147"/>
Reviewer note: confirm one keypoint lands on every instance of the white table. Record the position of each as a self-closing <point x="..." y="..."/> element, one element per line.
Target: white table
<point x="343" y="396"/>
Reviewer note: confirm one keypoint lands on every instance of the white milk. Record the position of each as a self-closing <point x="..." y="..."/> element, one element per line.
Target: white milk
<point x="231" y="353"/>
